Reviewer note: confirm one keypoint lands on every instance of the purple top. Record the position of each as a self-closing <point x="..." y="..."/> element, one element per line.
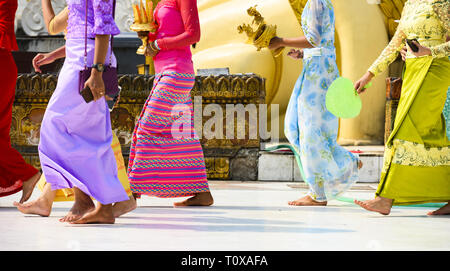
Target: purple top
<point x="100" y="18"/>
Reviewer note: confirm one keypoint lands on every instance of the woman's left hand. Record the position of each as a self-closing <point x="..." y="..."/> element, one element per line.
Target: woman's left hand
<point x="361" y="83"/>
<point x="423" y="51"/>
<point x="149" y="51"/>
<point x="275" y="43"/>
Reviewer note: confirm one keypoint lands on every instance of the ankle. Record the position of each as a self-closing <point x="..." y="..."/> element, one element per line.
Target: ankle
<point x="386" y="200"/>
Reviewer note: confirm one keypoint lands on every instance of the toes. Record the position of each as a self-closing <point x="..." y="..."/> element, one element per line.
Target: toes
<point x="65" y="218"/>
<point x="79" y="221"/>
<point x="178" y="204"/>
<point x="73" y="218"/>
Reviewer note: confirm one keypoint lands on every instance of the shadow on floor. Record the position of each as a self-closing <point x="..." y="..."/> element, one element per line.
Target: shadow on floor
<point x="221" y="228"/>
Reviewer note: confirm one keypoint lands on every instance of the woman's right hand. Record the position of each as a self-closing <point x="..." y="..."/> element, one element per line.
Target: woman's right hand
<point x="275" y="43"/>
<point x="42" y="59"/>
<point x="361" y="83"/>
<point x="403" y="53"/>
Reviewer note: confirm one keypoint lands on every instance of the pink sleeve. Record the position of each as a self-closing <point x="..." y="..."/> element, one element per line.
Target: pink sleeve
<point x="191" y="34"/>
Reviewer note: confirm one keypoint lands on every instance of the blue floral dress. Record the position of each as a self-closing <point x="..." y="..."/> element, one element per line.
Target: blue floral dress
<point x="327" y="168"/>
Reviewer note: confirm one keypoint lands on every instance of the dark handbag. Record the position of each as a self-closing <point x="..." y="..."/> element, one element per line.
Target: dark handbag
<point x="109" y="74"/>
<point x="109" y="79"/>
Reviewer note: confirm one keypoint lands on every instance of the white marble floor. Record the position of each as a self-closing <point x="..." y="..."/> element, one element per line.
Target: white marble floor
<point x="245" y="216"/>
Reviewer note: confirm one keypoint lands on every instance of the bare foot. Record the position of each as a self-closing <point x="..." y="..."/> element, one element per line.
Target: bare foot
<point x="200" y="199"/>
<point x="41" y="207"/>
<point x="379" y="204"/>
<point x="444" y="210"/>
<point x="307" y="201"/>
<point x="103" y="214"/>
<point x="28" y="187"/>
<point x="360" y="164"/>
<point x="123" y="207"/>
<point x="79" y="208"/>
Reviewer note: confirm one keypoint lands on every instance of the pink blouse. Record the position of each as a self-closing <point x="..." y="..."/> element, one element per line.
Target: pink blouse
<point x="178" y="28"/>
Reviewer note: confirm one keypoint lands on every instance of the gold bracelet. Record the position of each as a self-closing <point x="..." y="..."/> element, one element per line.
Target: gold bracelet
<point x="152" y="46"/>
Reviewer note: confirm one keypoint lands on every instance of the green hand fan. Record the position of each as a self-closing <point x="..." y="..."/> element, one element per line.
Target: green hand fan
<point x="342" y="100"/>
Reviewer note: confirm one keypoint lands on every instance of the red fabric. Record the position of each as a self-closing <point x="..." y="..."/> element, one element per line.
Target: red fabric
<point x="13" y="168"/>
<point x="151" y="36"/>
<point x="191" y="34"/>
<point x="7" y="15"/>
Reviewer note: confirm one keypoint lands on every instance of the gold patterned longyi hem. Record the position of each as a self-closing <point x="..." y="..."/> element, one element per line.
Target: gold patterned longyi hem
<point x="408" y="153"/>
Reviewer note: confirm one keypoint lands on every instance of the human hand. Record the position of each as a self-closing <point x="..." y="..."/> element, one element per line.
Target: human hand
<point x="403" y="53"/>
<point x="150" y="50"/>
<point x="295" y="54"/>
<point x="423" y="51"/>
<point x="361" y="83"/>
<point x="42" y="59"/>
<point x="275" y="43"/>
<point x="95" y="84"/>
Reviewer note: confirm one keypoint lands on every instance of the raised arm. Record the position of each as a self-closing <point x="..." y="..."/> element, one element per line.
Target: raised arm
<point x="191" y="34"/>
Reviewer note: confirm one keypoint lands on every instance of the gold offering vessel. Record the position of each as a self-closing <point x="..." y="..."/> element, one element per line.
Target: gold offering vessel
<point x="263" y="34"/>
<point x="143" y="22"/>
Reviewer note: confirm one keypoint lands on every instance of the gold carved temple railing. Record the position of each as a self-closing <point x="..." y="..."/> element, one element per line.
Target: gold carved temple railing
<point x="225" y="158"/>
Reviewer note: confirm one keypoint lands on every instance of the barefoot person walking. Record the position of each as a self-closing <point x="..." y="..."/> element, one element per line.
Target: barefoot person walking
<point x="43" y="205"/>
<point x="329" y="169"/>
<point x="75" y="144"/>
<point x="165" y="160"/>
<point x="417" y="153"/>
<point x="15" y="173"/>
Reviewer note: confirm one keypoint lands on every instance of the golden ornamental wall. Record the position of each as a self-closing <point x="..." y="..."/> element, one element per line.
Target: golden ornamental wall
<point x="33" y="92"/>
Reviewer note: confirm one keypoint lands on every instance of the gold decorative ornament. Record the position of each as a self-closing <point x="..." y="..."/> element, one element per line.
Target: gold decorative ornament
<point x="264" y="32"/>
<point x="143" y="22"/>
